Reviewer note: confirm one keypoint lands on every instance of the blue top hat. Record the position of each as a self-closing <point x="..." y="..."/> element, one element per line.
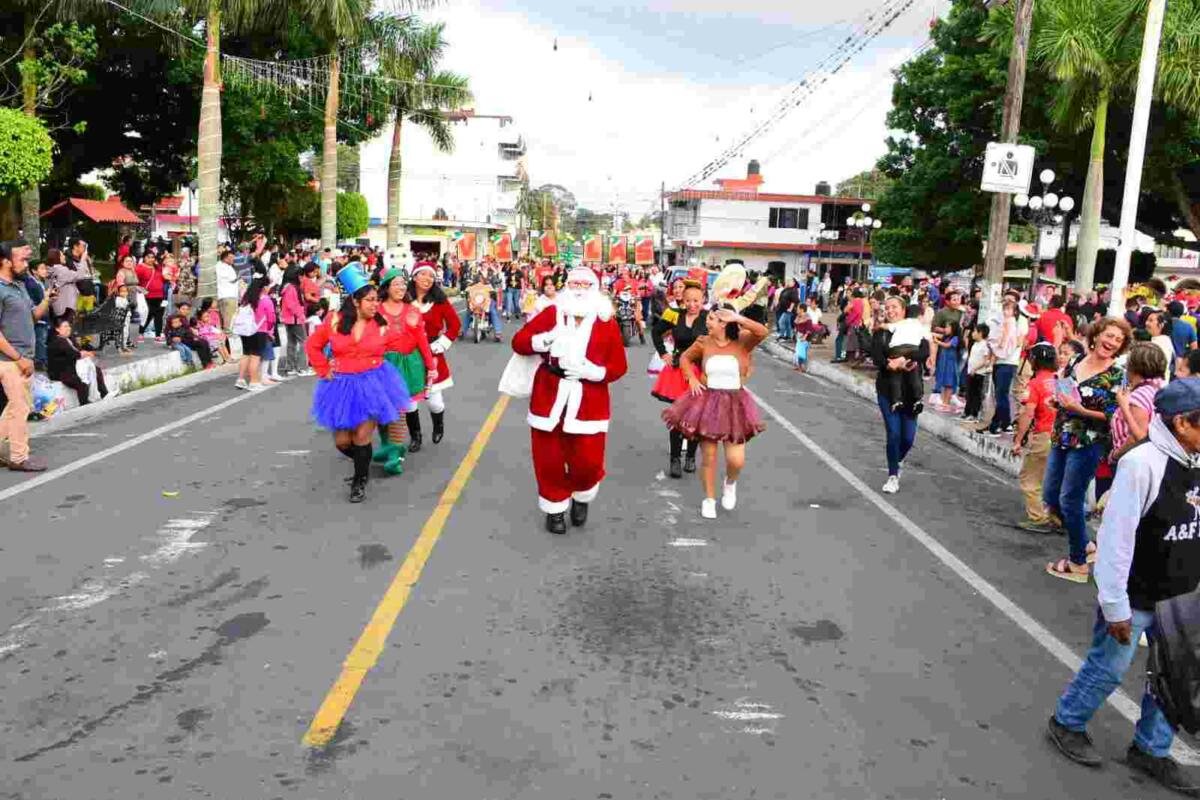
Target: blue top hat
<point x="351" y="278"/>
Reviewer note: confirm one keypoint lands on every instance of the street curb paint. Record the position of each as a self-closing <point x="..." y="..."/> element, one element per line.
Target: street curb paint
<point x="373" y="639"/>
<point x="1019" y="616"/>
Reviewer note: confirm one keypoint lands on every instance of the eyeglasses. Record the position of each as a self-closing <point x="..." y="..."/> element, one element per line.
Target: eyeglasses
<point x="578" y="285"/>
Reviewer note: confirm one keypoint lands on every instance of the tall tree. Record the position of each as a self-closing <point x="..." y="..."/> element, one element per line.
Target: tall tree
<point x="421" y="93"/>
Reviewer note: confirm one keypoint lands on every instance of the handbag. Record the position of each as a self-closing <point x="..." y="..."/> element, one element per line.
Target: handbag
<point x="517" y="378"/>
<point x="244" y="323"/>
<point x="85" y="287"/>
<point x="1174" y="662"/>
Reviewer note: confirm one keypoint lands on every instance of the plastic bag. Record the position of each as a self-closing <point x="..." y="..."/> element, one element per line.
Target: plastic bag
<point x="47" y="397"/>
<point x="517" y="378"/>
<point x="656" y="364"/>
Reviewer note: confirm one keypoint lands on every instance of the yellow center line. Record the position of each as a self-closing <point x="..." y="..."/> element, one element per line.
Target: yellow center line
<point x="374" y="637"/>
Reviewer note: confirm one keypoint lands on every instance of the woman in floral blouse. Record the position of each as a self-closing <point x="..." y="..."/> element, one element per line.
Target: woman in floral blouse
<point x="1081" y="438"/>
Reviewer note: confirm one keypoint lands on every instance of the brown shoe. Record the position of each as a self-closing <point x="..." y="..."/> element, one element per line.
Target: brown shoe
<point x="28" y="465"/>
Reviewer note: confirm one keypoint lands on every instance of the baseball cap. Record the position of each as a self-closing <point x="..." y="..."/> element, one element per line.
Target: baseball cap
<point x="1180" y="396"/>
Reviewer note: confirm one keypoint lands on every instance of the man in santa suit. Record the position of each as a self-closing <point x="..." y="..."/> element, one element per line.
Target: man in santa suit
<point x="581" y="353"/>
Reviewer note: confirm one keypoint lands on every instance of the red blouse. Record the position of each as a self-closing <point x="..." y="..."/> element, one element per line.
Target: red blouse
<point x="351" y="356"/>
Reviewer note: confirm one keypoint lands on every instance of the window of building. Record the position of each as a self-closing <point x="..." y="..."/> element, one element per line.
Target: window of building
<point x="788" y="218"/>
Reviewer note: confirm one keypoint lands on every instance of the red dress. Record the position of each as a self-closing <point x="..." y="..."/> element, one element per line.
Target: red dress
<point x="441" y="322"/>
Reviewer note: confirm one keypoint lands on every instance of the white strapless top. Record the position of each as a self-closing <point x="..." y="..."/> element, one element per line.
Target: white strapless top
<point x="724" y="372"/>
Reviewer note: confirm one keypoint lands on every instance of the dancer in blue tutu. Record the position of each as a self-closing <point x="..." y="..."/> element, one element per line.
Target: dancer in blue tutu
<point x="358" y="389"/>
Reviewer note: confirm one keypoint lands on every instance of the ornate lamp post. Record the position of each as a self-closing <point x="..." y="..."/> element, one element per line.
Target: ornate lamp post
<point x="1041" y="210"/>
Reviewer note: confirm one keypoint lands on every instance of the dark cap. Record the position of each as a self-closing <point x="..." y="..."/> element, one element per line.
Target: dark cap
<point x="1043" y="351"/>
<point x="1180" y="396"/>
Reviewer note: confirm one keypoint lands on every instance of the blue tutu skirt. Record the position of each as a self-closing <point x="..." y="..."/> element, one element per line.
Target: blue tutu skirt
<point x="349" y="400"/>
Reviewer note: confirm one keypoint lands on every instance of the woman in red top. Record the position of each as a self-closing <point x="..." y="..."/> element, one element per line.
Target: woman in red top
<point x="150" y="278"/>
<point x="442" y="327"/>
<point x="417" y="367"/>
<point x="357" y="389"/>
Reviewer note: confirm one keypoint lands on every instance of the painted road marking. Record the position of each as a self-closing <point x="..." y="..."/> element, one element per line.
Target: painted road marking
<point x="688" y="543"/>
<point x="87" y="461"/>
<point x="373" y="639"/>
<point x="1023" y="620"/>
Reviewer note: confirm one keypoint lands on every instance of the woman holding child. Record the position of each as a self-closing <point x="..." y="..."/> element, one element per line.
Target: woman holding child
<point x="898" y="384"/>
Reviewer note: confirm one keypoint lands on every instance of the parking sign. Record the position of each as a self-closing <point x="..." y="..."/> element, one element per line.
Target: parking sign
<point x="1007" y="168"/>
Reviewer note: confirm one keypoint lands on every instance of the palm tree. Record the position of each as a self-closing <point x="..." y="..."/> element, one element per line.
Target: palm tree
<point x="421" y="92"/>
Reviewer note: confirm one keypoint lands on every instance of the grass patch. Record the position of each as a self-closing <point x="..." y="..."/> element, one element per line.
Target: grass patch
<point x="145" y="383"/>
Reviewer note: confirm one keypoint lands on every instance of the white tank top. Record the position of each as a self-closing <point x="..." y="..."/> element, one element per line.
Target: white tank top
<point x="724" y="372"/>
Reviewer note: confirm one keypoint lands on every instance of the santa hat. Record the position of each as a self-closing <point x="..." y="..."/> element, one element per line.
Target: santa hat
<point x="1031" y="310"/>
<point x="424" y="266"/>
<point x="582" y="274"/>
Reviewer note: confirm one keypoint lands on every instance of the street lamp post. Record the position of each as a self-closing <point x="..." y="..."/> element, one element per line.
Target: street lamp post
<point x="1041" y="210"/>
<point x="866" y="224"/>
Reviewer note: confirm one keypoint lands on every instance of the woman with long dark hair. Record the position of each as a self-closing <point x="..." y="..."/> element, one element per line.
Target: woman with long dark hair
<point x="417" y="367"/>
<point x="254" y="322"/>
<point x="357" y="389"/>
<point x="442" y="327"/>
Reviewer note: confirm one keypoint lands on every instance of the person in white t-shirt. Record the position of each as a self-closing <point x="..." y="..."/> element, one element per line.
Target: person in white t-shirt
<point x="227" y="289"/>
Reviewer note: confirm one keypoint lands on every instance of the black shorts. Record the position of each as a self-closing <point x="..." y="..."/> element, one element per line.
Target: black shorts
<point x="254" y="345"/>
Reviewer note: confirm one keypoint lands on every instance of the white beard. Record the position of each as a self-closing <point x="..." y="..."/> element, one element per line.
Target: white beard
<point x="584" y="303"/>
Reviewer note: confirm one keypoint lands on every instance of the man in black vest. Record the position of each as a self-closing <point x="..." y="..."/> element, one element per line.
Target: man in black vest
<point x="1149" y="550"/>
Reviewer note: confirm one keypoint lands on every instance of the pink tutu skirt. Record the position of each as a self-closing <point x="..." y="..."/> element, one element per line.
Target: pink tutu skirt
<point x="717" y="415"/>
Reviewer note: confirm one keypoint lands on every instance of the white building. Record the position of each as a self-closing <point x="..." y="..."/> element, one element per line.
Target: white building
<point x="780" y="234"/>
<point x="479" y="180"/>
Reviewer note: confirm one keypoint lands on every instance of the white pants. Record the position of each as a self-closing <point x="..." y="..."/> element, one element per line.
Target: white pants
<point x="437" y="403"/>
<point x="85" y="368"/>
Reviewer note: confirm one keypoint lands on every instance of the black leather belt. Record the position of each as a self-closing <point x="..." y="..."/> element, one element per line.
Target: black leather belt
<point x="554" y="369"/>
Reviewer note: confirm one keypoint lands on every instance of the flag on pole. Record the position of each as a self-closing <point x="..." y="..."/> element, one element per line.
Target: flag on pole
<point x="464" y="244"/>
<point x="616" y="250"/>
<point x="549" y="244"/>
<point x="502" y="246"/>
<point x="643" y="250"/>
<point x="591" y="249"/>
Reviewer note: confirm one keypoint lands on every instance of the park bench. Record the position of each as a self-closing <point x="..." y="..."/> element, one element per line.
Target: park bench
<point x="103" y="325"/>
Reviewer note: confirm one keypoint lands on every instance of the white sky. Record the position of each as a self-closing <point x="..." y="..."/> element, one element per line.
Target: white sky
<point x="667" y="78"/>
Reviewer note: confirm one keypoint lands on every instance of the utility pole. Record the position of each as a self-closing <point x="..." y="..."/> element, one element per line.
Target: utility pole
<point x="1137" y="154"/>
<point x="662" y="225"/>
<point x="997" y="244"/>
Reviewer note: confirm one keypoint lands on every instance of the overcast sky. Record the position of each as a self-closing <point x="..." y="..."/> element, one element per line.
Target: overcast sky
<point x="672" y="83"/>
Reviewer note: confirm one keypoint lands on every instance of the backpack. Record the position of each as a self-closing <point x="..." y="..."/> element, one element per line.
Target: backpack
<point x="1174" y="662"/>
<point x="244" y="323"/>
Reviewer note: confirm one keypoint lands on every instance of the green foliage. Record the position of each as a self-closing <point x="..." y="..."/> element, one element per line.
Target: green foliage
<point x="58" y="57"/>
<point x="91" y="191"/>
<point x="353" y="216"/>
<point x="871" y="184"/>
<point x="25" y="151"/>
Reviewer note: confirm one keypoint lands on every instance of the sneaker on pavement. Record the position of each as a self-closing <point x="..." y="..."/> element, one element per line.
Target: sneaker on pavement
<point x="1164" y="769"/>
<point x="891" y="485"/>
<point x="306" y="373"/>
<point x="1075" y="745"/>
<point x="30" y="464"/>
<point x="708" y="508"/>
<point x="729" y="496"/>
<point x="257" y="387"/>
<point x="240" y="384"/>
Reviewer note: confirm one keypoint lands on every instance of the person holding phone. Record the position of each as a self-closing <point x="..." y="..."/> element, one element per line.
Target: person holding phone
<point x="17" y="348"/>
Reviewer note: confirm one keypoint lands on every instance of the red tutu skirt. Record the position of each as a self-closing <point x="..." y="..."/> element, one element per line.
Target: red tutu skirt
<point x="717" y="415"/>
<point x="670" y="385"/>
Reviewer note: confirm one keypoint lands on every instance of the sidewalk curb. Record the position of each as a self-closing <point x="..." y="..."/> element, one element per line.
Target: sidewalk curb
<point x="990" y="451"/>
<point x="106" y="408"/>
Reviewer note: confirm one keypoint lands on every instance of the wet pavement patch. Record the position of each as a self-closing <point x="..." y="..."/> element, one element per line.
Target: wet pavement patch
<point x="823" y="630"/>
<point x="228" y="576"/>
<point x="192" y="719"/>
<point x="243" y="502"/>
<point x="372" y="555"/>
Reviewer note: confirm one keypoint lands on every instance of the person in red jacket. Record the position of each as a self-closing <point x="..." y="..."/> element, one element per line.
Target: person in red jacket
<point x="358" y="389"/>
<point x="442" y="327"/>
<point x="150" y="278"/>
<point x="581" y="354"/>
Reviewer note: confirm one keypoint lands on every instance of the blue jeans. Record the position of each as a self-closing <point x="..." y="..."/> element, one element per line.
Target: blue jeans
<point x="901" y="433"/>
<point x="839" y="346"/>
<point x="512" y="302"/>
<point x="1003" y="375"/>
<point x="1106" y="663"/>
<point x="40" y="331"/>
<point x="185" y="353"/>
<point x="783" y="325"/>
<point x="493" y="317"/>
<point x="1068" y="473"/>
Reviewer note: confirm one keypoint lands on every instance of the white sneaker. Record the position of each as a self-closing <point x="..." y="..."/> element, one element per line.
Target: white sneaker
<point x="891" y="485"/>
<point x="240" y="384"/>
<point x="729" y="496"/>
<point x="257" y="387"/>
<point x="306" y="373"/>
<point x="708" y="508"/>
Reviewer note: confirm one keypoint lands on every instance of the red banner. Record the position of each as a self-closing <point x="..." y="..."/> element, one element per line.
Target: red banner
<point x="616" y="250"/>
<point x="549" y="244"/>
<point x="591" y="249"/>
<point x="502" y="247"/>
<point x="466" y="247"/>
<point x="643" y="250"/>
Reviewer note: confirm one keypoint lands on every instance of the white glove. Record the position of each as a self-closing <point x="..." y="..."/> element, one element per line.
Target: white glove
<point x="584" y="371"/>
<point x="541" y="341"/>
<point x="440" y="345"/>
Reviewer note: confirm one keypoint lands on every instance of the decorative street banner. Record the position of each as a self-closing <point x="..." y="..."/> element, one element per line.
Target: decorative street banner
<point x="549" y="244"/>
<point x="465" y="246"/>
<point x="502" y="246"/>
<point x="616" y="250"/>
<point x="643" y="250"/>
<point x="591" y="249"/>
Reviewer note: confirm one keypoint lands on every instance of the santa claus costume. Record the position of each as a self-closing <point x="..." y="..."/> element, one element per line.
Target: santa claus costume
<point x="417" y="367"/>
<point x="579" y="344"/>
<point x="357" y="389"/>
<point x="442" y="327"/>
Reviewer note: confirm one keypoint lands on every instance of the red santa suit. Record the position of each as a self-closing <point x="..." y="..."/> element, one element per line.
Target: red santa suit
<point x="569" y="407"/>
<point x="442" y="327"/>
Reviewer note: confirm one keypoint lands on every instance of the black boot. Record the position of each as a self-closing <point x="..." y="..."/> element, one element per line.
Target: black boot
<point x="556" y="523"/>
<point x="676" y="451"/>
<point x="689" y="459"/>
<point x="439" y="429"/>
<point x="413" y="420"/>
<point x="362" y="467"/>
<point x="578" y="513"/>
<point x="676" y="468"/>
<point x="358" y="490"/>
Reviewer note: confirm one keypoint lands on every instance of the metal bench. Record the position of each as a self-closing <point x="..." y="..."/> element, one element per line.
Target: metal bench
<point x="104" y="324"/>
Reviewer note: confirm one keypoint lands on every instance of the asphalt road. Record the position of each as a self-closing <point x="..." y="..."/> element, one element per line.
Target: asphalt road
<point x="165" y="645"/>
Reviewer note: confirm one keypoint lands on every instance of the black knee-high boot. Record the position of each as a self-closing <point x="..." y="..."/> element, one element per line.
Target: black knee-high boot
<point x="413" y="420"/>
<point x="689" y="459"/>
<point x="346" y="449"/>
<point x="676" y="453"/>
<point x="362" y="467"/>
<point x="439" y="429"/>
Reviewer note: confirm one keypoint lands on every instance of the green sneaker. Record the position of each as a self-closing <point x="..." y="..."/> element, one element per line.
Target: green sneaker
<point x="385" y="453"/>
<point x="395" y="466"/>
<point x="1037" y="527"/>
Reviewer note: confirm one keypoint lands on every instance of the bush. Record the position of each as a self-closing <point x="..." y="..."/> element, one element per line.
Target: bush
<point x="353" y="216"/>
<point x="25" y="151"/>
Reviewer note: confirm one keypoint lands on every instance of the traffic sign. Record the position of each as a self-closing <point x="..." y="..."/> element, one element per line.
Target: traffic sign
<point x="1007" y="168"/>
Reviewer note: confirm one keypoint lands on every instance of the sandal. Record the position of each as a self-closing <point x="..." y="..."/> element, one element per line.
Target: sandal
<point x="1091" y="552"/>
<point x="1063" y="568"/>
